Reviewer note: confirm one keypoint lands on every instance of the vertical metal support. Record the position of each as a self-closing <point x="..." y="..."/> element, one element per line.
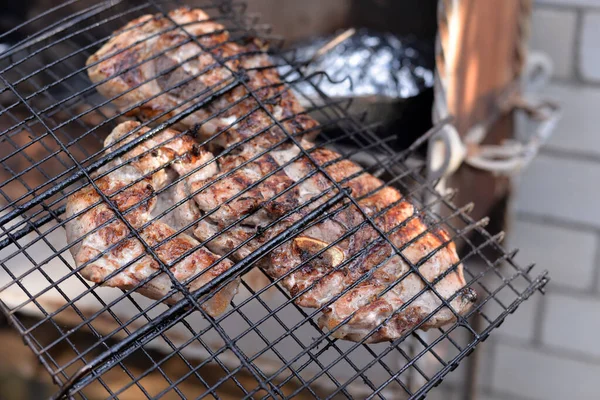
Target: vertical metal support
<point x="473" y="362"/>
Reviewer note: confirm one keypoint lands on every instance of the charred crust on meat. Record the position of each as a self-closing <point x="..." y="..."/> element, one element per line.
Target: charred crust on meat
<point x="308" y="248"/>
<point x="278" y="208"/>
<point x="197" y="150"/>
<point x="271" y="101"/>
<point x="242" y="75"/>
<point x="122" y="245"/>
<point x="245" y="198"/>
<point x="102" y="217"/>
<point x="195" y="130"/>
<point x="469" y="295"/>
<point x="406" y="320"/>
<point x="124" y="68"/>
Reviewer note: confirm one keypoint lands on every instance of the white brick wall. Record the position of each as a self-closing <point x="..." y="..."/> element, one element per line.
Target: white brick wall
<point x="578" y="128"/>
<point x="553" y="32"/>
<point x="589" y="50"/>
<point x="549" y="348"/>
<point x="561" y="187"/>
<point x="572" y="323"/>
<point x="570" y="3"/>
<point x="524" y="372"/>
<point x="521" y="325"/>
<point x="567" y="254"/>
<point x="568" y="32"/>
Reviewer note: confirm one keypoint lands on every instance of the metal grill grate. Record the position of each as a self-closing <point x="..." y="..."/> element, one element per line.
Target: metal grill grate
<point x="99" y="342"/>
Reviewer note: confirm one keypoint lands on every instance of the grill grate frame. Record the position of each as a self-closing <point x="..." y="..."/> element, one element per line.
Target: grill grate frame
<point x="49" y="99"/>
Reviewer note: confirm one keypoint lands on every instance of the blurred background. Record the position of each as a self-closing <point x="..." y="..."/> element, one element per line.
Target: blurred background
<point x="548" y="348"/>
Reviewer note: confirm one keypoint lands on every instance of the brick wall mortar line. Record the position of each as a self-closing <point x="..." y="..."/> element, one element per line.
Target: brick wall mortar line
<point x="551" y="220"/>
<point x="571" y="292"/>
<point x="575" y="82"/>
<point x="577" y="48"/>
<point x="505" y="396"/>
<point x="556" y="152"/>
<point x="454" y="389"/>
<point x="593" y="291"/>
<point x="547" y="349"/>
<point x="564" y="7"/>
<point x="596" y="272"/>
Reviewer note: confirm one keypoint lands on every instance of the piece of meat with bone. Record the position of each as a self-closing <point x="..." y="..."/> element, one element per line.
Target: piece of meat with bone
<point x="142" y="185"/>
<point x="343" y="251"/>
<point x="363" y="280"/>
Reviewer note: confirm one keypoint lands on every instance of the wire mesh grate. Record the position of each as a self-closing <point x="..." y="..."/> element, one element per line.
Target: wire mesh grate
<point x="101" y="342"/>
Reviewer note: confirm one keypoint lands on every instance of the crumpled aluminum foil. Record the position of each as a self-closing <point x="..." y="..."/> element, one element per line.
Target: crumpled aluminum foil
<point x="378" y="64"/>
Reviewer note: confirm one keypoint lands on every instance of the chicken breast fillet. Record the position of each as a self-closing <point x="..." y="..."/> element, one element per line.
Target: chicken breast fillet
<point x="111" y="255"/>
<point x="363" y="280"/>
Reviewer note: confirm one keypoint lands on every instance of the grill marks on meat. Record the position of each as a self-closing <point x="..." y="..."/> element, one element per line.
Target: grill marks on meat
<point x="132" y="187"/>
<point x="156" y="67"/>
<point x="175" y="60"/>
<point x="262" y="177"/>
<point x="367" y="257"/>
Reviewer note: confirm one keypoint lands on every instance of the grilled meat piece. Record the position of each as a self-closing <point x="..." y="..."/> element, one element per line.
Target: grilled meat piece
<point x="154" y="70"/>
<point x="315" y="270"/>
<point x="132" y="187"/>
<point x="265" y="177"/>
